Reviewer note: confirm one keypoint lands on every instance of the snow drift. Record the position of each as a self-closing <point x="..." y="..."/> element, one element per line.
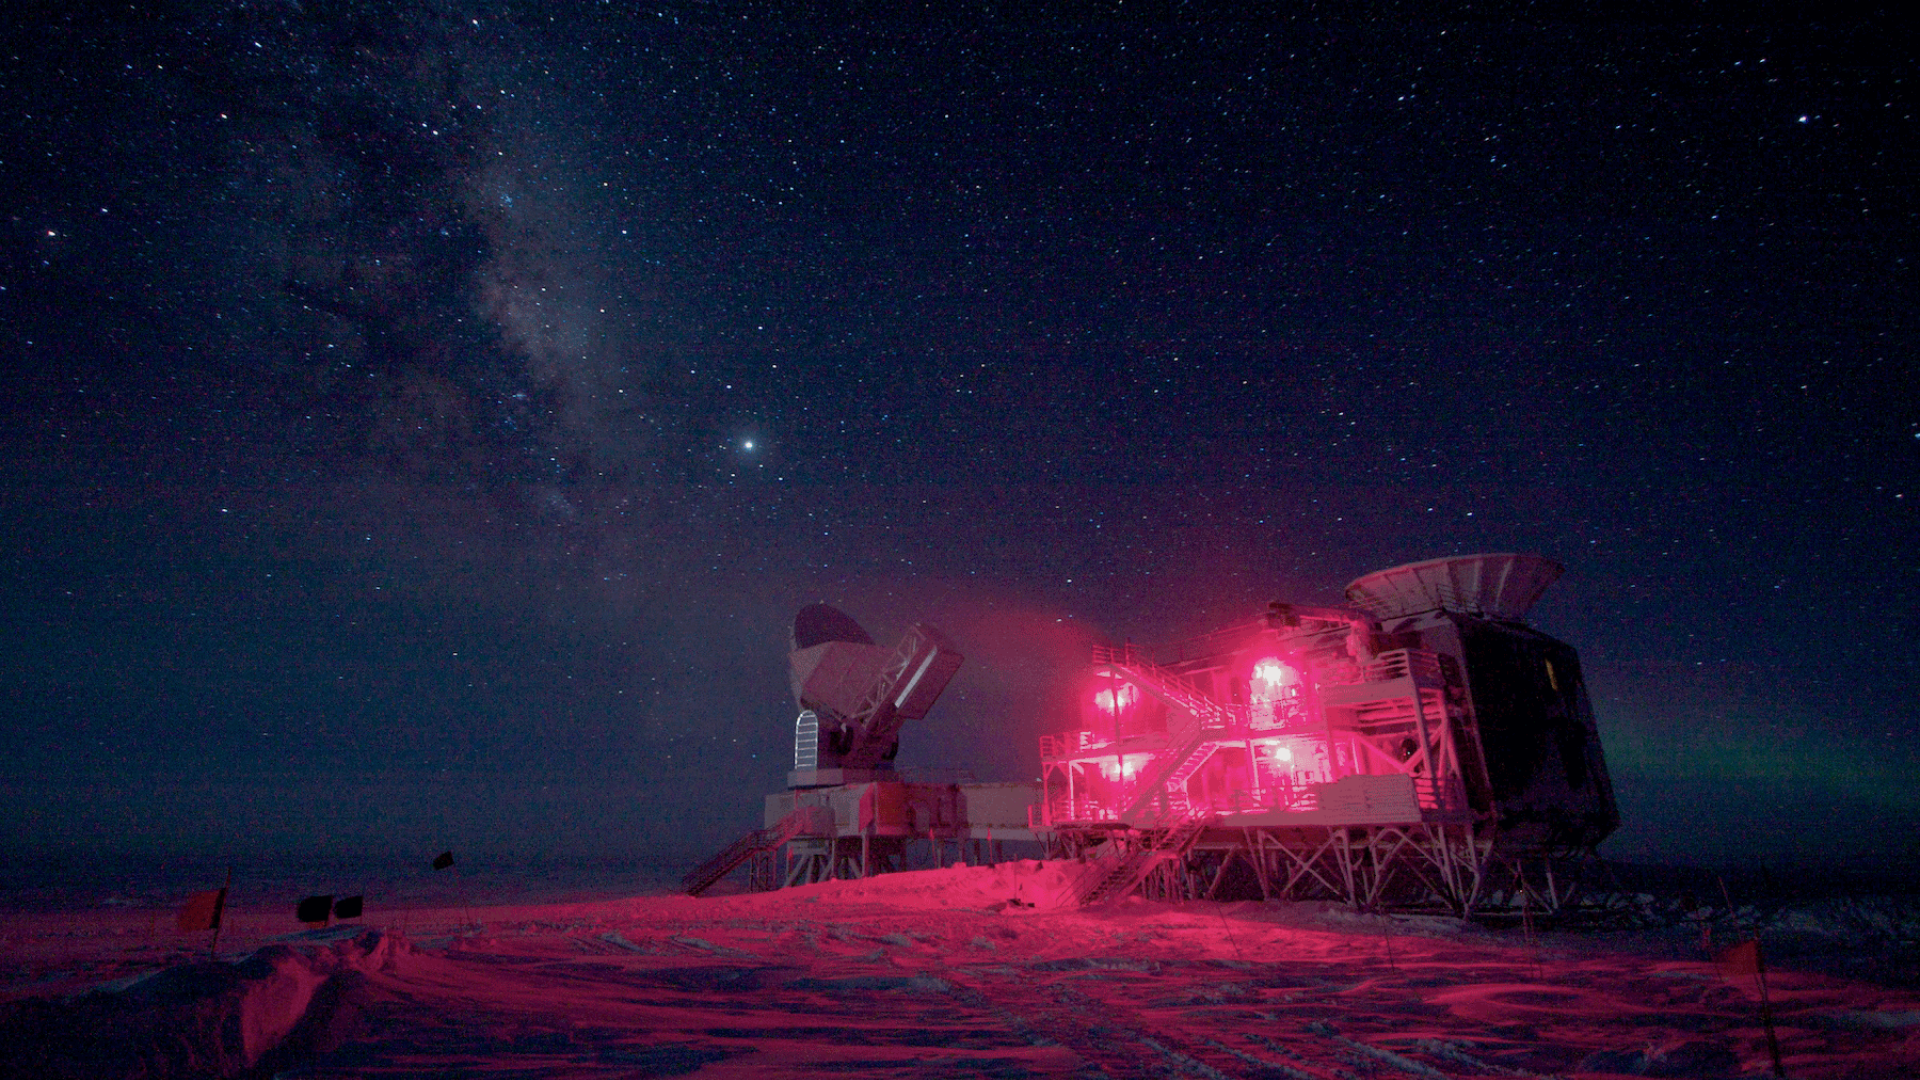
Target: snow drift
<point x="968" y="971"/>
<point x="207" y="1019"/>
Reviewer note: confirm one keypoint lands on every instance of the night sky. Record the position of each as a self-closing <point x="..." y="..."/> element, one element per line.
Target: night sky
<point x="424" y="419"/>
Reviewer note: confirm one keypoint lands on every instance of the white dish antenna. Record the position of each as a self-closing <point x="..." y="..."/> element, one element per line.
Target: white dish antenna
<point x="1493" y="586"/>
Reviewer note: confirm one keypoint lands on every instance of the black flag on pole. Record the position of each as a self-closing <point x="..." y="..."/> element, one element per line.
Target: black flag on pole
<point x="314" y="910"/>
<point x="443" y="860"/>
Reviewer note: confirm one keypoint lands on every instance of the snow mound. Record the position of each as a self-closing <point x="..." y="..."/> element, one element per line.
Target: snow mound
<point x="1869" y="921"/>
<point x="1024" y="885"/>
<point x="210" y="1019"/>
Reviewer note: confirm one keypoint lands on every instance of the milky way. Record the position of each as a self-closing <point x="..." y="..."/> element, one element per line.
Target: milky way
<point x="428" y="415"/>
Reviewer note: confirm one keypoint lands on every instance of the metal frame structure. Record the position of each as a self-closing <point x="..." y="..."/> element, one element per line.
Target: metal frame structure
<point x="1343" y="753"/>
<point x="1420" y="748"/>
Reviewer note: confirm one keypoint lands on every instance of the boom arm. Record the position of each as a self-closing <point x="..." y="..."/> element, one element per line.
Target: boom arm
<point x="912" y="679"/>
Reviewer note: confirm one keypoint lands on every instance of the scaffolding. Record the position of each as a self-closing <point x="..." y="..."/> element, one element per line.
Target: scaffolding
<point x="1422" y="748"/>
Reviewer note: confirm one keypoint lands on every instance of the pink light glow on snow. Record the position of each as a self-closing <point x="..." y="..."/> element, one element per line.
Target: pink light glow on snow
<point x="964" y="971"/>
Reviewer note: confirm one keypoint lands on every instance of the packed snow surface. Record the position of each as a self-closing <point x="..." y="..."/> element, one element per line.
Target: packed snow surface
<point x="959" y="972"/>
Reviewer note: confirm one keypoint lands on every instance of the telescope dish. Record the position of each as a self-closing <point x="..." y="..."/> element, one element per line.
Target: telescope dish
<point x="818" y="624"/>
<point x="1502" y="586"/>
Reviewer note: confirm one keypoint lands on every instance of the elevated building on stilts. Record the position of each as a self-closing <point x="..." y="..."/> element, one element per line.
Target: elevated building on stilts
<point x="1420" y="746"/>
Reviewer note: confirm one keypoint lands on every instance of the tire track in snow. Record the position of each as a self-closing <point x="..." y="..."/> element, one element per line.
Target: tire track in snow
<point x="1104" y="1042"/>
<point x="1040" y="1028"/>
<point x="1442" y="1049"/>
<point x="1263" y="1067"/>
<point x="1119" y="1042"/>
<point x="1315" y="1052"/>
<point x="1349" y="1059"/>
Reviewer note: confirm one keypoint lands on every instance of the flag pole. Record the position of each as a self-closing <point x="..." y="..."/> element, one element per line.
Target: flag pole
<point x="466" y="908"/>
<point x="444" y="861"/>
<point x="1759" y="974"/>
<point x="220" y="915"/>
<point x="1766" y="1009"/>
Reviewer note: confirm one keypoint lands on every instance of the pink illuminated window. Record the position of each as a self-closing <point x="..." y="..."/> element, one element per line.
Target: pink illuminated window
<point x="1273" y="692"/>
<point x="1271" y="679"/>
<point x="1116" y="699"/>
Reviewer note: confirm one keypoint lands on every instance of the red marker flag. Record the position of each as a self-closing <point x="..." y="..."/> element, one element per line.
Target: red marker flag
<point x="202" y="911"/>
<point x="1742" y="959"/>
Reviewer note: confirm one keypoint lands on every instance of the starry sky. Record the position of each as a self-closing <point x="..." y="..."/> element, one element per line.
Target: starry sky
<point x="424" y="418"/>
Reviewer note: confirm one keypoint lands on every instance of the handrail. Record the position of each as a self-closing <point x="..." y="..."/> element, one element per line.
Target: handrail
<point x="1124" y="871"/>
<point x="1421" y="664"/>
<point x="1066" y="744"/>
<point x="702" y="877"/>
<point x="1171" y="684"/>
<point x="1193" y="715"/>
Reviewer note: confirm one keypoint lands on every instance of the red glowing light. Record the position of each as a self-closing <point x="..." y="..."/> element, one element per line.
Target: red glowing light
<point x="1272" y="679"/>
<point x="1274" y="693"/>
<point x="1126" y="694"/>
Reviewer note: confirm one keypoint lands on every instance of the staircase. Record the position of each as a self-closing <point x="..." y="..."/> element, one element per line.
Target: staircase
<point x="702" y="877"/>
<point x="1166" y="685"/>
<point x="1120" y="873"/>
<point x="1192" y="720"/>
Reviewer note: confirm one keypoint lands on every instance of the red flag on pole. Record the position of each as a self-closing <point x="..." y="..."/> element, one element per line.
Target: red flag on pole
<point x="202" y="911"/>
<point x="1742" y="959"/>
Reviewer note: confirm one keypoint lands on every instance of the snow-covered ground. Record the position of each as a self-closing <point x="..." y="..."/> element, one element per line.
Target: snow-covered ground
<point x="958" y="972"/>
